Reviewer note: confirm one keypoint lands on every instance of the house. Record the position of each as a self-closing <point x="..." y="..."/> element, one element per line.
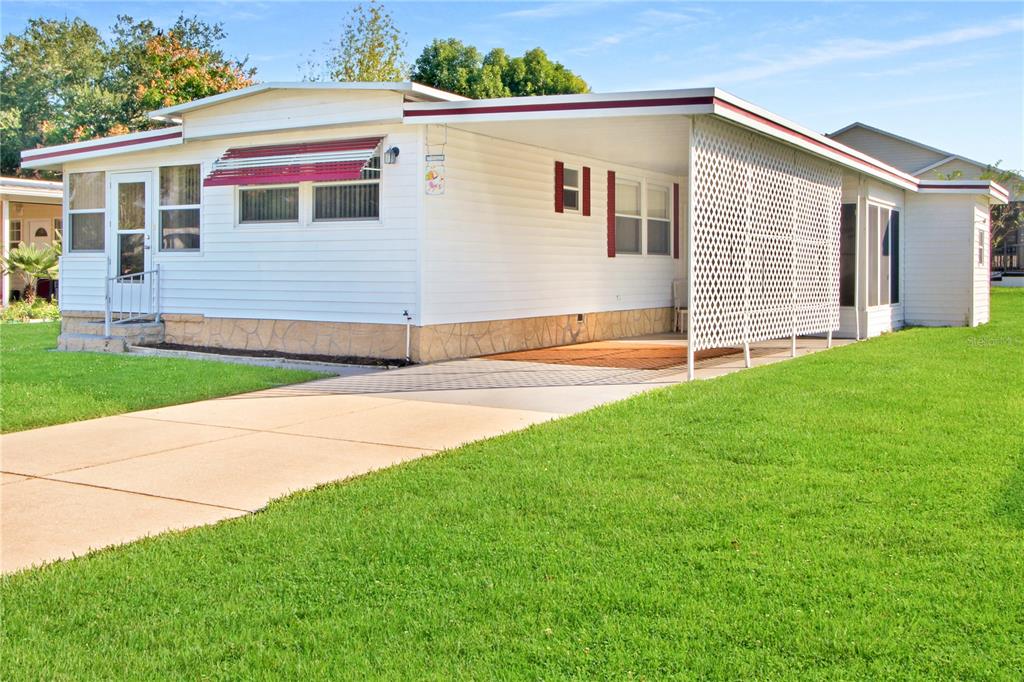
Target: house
<point x="930" y="163"/>
<point x="391" y="219"/>
<point x="32" y="214"/>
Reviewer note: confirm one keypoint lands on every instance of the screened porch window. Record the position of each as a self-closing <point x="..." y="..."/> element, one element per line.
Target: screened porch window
<point x="87" y="201"/>
<point x="627" y="217"/>
<point x="883" y="255"/>
<point x="179" y="208"/>
<point x="268" y="204"/>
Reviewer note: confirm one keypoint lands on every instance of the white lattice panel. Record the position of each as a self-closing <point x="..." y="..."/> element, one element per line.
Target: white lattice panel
<point x="765" y="238"/>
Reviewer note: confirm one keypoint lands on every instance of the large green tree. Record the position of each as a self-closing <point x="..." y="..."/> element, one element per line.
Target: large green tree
<point x="61" y="82"/>
<point x="370" y="48"/>
<point x="452" y="65"/>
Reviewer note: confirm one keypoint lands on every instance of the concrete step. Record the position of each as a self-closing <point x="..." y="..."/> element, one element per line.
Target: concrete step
<point x="91" y="343"/>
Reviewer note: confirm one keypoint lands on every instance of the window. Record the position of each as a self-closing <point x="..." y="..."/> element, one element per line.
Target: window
<point x="659" y="228"/>
<point x="627" y="217"/>
<point x="883" y="256"/>
<point x="571" y="189"/>
<point x="981" y="247"/>
<point x="350" y="200"/>
<point x="180" y="200"/>
<point x="848" y="255"/>
<point x="41" y="232"/>
<point x="15" y="236"/>
<point x="268" y="204"/>
<point x="86" y="209"/>
<point x="58" y="227"/>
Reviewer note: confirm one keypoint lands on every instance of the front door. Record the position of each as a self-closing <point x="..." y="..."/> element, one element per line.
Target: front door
<point x="129" y="240"/>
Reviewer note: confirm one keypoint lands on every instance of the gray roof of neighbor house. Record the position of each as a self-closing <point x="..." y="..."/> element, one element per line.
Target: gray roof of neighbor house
<point x="944" y="156"/>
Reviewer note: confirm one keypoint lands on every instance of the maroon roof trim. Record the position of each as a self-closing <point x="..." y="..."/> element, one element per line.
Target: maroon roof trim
<point x="29" y="156"/>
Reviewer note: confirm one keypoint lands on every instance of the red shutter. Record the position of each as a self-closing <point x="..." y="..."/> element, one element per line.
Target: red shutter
<point x="675" y="220"/>
<point x="611" y="214"/>
<point x="586" y="190"/>
<point x="559" y="184"/>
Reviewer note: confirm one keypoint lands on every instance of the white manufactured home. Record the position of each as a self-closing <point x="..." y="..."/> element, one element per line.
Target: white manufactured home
<point x="390" y="219"/>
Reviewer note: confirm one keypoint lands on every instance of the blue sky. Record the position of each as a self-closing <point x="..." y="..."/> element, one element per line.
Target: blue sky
<point x="947" y="74"/>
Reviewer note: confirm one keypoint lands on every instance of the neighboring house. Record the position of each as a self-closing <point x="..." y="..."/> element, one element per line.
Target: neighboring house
<point x="929" y="163"/>
<point x="386" y="219"/>
<point x="32" y="214"/>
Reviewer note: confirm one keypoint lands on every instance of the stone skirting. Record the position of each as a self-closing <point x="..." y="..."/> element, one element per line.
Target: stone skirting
<point x="471" y="339"/>
<point x="355" y="339"/>
<point x="428" y="344"/>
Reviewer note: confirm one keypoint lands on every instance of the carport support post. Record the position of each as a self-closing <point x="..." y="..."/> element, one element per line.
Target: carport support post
<point x="690" y="280"/>
<point x="829" y="339"/>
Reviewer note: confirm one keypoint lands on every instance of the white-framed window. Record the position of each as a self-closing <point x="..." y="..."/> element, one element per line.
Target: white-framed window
<point x="350" y="199"/>
<point x="180" y="202"/>
<point x="628" y="217"/>
<point x="571" y="183"/>
<point x="277" y="204"/>
<point x="58" y="227"/>
<point x="87" y="201"/>
<point x="883" y="254"/>
<point x="15" y="234"/>
<point x="982" y="240"/>
<point x="659" y="222"/>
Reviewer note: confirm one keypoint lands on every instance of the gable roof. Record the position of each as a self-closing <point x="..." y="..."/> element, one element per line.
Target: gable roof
<point x="414" y="92"/>
<point x="946" y="156"/>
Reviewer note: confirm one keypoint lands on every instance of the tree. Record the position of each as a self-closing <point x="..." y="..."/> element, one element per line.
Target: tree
<point x="1009" y="218"/>
<point x="61" y="82"/>
<point x="456" y="67"/>
<point x="51" y="87"/>
<point x="371" y="48"/>
<point x="34" y="263"/>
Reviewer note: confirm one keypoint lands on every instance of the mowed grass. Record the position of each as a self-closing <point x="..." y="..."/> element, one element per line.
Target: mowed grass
<point x="40" y="387"/>
<point x="856" y="514"/>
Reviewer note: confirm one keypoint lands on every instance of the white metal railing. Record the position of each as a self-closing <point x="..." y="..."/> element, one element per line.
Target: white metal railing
<point x="130" y="298"/>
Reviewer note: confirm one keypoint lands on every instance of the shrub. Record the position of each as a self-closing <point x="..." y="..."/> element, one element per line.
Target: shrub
<point x="21" y="311"/>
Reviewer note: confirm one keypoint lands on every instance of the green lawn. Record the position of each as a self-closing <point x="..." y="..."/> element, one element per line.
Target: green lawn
<point x="857" y="514"/>
<point x="39" y="387"/>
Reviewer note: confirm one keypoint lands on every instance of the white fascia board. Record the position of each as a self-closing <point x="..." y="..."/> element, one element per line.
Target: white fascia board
<point x="54" y="157"/>
<point x="987" y="188"/>
<point x="547" y="107"/>
<point x="424" y="91"/>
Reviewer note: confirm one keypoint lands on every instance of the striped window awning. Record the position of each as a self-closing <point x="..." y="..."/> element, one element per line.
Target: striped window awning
<point x="288" y="163"/>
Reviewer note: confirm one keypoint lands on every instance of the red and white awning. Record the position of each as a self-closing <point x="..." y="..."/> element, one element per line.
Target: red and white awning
<point x="288" y="163"/>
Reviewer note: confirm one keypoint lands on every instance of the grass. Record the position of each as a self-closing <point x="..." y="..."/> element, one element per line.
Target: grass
<point x="39" y="387"/>
<point x="857" y="514"/>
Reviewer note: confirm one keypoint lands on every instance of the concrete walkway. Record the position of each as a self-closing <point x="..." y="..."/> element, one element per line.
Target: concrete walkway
<point x="76" y="487"/>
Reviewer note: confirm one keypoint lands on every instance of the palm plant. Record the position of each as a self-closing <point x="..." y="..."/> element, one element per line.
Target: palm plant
<point x="34" y="263"/>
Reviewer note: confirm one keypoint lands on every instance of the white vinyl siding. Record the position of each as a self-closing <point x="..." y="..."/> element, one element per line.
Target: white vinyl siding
<point x="494" y="249"/>
<point x="275" y="110"/>
<point x="981" y="275"/>
<point x="939" y="253"/>
<point x="336" y="272"/>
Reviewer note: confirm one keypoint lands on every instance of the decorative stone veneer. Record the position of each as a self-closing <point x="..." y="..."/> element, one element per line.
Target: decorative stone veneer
<point x="428" y="344"/>
<point x="470" y="339"/>
<point x="290" y="336"/>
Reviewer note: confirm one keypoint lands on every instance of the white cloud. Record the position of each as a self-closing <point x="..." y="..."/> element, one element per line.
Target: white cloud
<point x="857" y="49"/>
<point x="551" y="11"/>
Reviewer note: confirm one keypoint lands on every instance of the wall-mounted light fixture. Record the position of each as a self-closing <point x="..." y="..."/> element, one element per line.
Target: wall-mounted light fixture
<point x="391" y="156"/>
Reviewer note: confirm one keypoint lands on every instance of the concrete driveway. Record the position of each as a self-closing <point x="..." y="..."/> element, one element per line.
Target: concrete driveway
<point x="76" y="487"/>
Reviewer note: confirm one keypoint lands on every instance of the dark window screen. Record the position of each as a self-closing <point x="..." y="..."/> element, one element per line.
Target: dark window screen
<point x="848" y="255"/>
<point x="894" y="256"/>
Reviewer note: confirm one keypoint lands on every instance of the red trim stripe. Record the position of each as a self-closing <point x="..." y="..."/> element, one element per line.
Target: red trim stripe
<point x="562" y="106"/>
<point x="559" y="187"/>
<point x="100" y="147"/>
<point x="807" y="138"/>
<point x="586" y="190"/>
<point x="611" y="214"/>
<point x="662" y="102"/>
<point x="675" y="220"/>
<point x="983" y="188"/>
